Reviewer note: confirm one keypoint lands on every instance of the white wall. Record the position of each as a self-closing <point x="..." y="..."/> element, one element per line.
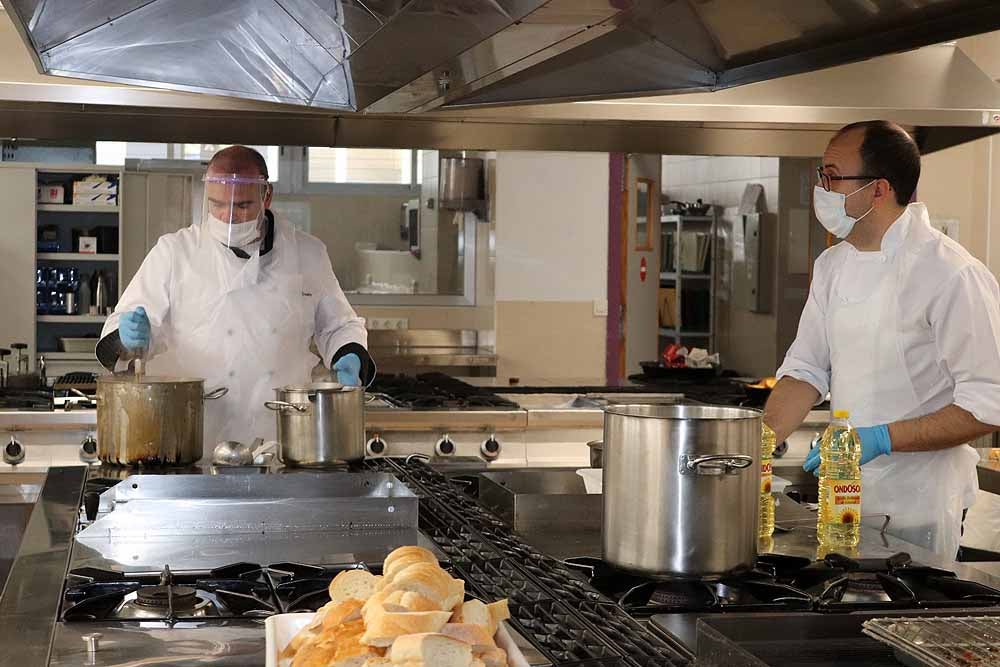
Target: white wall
<point x="552" y="231"/>
<point x="551" y="265"/>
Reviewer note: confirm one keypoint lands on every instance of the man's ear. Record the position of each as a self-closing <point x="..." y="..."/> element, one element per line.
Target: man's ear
<point x="883" y="189"/>
<point x="267" y="195"/>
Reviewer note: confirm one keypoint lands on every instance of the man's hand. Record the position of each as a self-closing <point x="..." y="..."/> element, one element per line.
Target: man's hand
<point x="875" y="442"/>
<point x="348" y="369"/>
<point x="133" y="330"/>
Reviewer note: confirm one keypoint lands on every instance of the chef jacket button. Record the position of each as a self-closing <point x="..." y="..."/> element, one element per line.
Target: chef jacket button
<point x="883" y="258"/>
<point x="232" y="374"/>
<point x="229" y="332"/>
<point x="274" y="330"/>
<point x="270" y="374"/>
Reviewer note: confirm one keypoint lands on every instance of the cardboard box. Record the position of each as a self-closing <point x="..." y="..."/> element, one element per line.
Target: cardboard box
<point x="668" y="306"/>
<point x="95" y="185"/>
<point x="95" y="199"/>
<point x="49" y="194"/>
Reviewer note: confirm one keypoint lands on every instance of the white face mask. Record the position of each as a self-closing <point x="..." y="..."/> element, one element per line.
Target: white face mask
<point x="235" y="235"/>
<point x="831" y="210"/>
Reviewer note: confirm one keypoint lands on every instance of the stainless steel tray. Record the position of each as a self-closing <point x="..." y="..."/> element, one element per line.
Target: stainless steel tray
<point x="152" y="506"/>
<point x="532" y="500"/>
<point x="940" y="641"/>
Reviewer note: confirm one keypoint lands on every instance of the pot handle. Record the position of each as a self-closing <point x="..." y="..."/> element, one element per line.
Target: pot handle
<point x="216" y="393"/>
<point x="714" y="464"/>
<point x="281" y="406"/>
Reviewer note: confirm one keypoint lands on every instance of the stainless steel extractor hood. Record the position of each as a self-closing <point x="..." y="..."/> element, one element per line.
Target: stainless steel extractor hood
<point x="398" y="56"/>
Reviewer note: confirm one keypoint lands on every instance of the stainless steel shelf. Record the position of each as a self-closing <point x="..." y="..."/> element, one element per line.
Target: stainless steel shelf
<point x="78" y="257"/>
<point x="72" y="319"/>
<point x="78" y="208"/>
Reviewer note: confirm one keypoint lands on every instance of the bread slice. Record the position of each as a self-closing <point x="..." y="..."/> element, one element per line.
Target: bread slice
<point x="315" y="654"/>
<point x="307" y="633"/>
<point x="495" y="657"/>
<point x="499" y="612"/>
<point x="431" y="649"/>
<point x="356" y="584"/>
<point x="474" y="635"/>
<point x="345" y="612"/>
<point x="405" y="556"/>
<point x="378" y="661"/>
<point x="407" y="601"/>
<point x="383" y="627"/>
<point x="428" y="580"/>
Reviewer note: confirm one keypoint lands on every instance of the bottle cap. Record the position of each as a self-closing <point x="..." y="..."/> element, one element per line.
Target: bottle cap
<point x="841" y="414"/>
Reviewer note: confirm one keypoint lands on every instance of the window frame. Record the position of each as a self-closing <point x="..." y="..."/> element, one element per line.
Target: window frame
<point x="305" y="186"/>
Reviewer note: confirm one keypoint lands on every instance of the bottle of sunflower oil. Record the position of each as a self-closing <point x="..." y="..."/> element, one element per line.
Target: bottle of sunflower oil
<point x="839" y="521"/>
<point x="765" y="527"/>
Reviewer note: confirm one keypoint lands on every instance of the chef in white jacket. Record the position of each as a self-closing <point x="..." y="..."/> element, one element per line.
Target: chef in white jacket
<point x="236" y="299"/>
<point x="902" y="327"/>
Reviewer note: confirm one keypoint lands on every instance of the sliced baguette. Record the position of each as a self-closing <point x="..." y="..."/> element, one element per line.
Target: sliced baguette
<point x="408" y="601"/>
<point x="495" y="657"/>
<point x="426" y="579"/>
<point x="356" y="584"/>
<point x="474" y="635"/>
<point x="431" y="649"/>
<point x="383" y="627"/>
<point x="405" y="556"/>
<point x="315" y="654"/>
<point x="499" y="612"/>
<point x="345" y="612"/>
<point x="477" y="612"/>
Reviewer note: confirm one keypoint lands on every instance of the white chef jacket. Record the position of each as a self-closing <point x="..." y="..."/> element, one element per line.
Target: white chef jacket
<point x="242" y="324"/>
<point x="949" y="318"/>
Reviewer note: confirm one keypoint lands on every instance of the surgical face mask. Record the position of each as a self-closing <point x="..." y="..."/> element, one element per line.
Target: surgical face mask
<point x="831" y="210"/>
<point x="235" y="235"/>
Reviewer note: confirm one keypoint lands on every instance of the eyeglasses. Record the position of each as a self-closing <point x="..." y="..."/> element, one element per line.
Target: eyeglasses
<point x="826" y="180"/>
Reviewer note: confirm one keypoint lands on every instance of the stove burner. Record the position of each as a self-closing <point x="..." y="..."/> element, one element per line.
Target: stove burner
<point x="437" y="391"/>
<point x="163" y="597"/>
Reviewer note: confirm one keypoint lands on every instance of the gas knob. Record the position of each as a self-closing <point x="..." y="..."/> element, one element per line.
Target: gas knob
<point x="444" y="446"/>
<point x="490" y="447"/>
<point x="13" y="453"/>
<point x="376" y="446"/>
<point x="88" y="449"/>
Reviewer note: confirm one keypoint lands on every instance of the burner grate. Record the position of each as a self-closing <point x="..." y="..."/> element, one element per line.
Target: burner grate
<point x="551" y="604"/>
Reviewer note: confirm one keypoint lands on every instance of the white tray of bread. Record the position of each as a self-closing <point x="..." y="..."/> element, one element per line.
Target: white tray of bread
<point x="413" y="615"/>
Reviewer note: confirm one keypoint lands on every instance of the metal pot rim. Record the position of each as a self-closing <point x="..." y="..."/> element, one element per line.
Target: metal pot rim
<point x="146" y="379"/>
<point x="683" y="412"/>
<point x="331" y="387"/>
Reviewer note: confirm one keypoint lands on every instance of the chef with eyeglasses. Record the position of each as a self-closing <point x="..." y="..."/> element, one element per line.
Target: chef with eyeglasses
<point x="902" y="328"/>
<point x="237" y="298"/>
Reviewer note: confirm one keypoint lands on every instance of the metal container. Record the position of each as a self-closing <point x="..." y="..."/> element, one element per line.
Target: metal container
<point x="462" y="185"/>
<point x="152" y="420"/>
<point x="681" y="485"/>
<point x="320" y="424"/>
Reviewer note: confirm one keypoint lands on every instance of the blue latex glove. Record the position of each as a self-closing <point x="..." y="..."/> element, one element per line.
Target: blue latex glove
<point x="348" y="369"/>
<point x="875" y="442"/>
<point x="133" y="329"/>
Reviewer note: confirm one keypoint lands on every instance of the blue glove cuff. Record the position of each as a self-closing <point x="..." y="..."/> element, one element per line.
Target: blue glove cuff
<point x="880" y="434"/>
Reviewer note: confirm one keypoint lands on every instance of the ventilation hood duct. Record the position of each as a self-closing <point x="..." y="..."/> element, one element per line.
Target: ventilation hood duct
<point x="401" y="56"/>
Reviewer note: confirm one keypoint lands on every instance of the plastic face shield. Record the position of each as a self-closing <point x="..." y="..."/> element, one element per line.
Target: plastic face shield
<point x="233" y="209"/>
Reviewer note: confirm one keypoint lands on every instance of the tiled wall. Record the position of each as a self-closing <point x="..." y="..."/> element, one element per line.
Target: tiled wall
<point x="746" y="341"/>
<point x="719" y="180"/>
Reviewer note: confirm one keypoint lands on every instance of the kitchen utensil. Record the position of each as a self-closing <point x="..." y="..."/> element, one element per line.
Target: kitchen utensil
<point x="152" y="420"/>
<point x="233" y="453"/>
<point x="320" y="424"/>
<point x="596" y="453"/>
<point x="681" y="485"/>
<point x="100" y="292"/>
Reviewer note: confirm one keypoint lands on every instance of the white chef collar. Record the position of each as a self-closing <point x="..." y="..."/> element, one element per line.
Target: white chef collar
<point x="895" y="236"/>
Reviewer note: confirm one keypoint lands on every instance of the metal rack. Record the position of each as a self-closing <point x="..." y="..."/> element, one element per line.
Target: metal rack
<point x="679" y="279"/>
<point x="569" y="621"/>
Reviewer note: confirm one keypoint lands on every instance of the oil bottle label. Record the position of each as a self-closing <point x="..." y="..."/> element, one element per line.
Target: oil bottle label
<point x="843" y="500"/>
<point x="765" y="477"/>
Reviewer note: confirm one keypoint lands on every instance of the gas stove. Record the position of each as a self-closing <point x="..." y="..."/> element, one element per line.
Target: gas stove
<point x="239" y="590"/>
<point x="781" y="583"/>
<point x="437" y="391"/>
